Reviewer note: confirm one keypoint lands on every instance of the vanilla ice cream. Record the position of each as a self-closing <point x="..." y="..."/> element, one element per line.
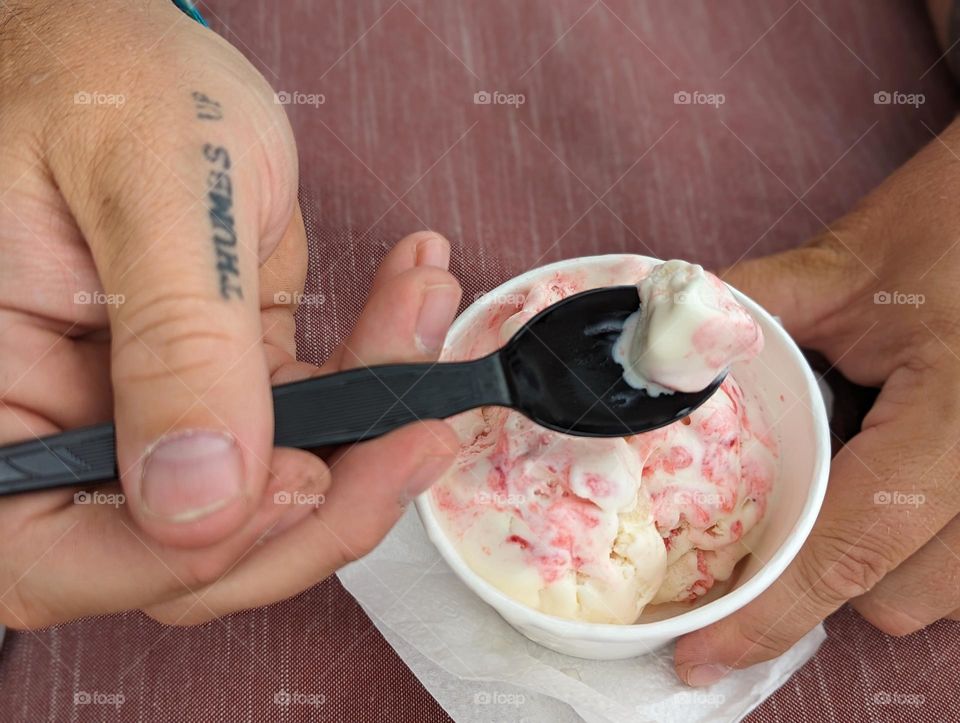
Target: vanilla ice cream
<point x="688" y="330"/>
<point x="596" y="529"/>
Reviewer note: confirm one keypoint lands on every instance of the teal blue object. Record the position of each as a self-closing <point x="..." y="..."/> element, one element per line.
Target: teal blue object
<point x="190" y="10"/>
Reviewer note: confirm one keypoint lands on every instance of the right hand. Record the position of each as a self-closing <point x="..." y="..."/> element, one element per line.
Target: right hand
<point x="877" y="295"/>
<point x="117" y="121"/>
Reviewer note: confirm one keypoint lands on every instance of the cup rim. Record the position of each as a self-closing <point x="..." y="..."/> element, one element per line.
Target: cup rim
<point x="709" y="612"/>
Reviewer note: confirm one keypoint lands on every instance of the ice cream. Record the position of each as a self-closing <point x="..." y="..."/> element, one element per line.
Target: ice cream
<point x="596" y="529"/>
<point x="688" y="330"/>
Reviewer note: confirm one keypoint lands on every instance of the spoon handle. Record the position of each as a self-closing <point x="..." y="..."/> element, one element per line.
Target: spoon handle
<point x="349" y="406"/>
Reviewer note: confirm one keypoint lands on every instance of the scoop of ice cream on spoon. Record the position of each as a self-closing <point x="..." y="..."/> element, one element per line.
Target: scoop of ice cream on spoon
<point x="687" y="332"/>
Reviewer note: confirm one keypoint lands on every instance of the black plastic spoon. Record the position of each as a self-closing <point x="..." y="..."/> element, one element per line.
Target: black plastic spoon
<point x="558" y="370"/>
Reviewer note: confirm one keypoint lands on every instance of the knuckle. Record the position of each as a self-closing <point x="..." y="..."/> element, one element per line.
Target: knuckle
<point x="168" y="334"/>
<point x="847" y="570"/>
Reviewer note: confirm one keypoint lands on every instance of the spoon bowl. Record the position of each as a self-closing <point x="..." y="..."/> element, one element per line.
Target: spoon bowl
<point x="563" y="376"/>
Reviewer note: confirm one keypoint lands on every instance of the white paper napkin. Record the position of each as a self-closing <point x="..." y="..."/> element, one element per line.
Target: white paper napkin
<point x="481" y="669"/>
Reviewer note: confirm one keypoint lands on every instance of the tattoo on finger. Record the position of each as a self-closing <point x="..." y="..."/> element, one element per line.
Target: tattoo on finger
<point x="220" y="202"/>
<point x="205" y="107"/>
<point x="220" y="212"/>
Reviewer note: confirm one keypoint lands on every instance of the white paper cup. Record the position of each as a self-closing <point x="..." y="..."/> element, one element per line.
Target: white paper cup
<point x="788" y="391"/>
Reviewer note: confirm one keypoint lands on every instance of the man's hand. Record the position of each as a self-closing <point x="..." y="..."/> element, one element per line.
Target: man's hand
<point x="152" y="257"/>
<point x="879" y="295"/>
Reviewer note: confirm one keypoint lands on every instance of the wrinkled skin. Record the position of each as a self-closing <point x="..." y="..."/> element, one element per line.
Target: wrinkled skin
<point x="878" y="295"/>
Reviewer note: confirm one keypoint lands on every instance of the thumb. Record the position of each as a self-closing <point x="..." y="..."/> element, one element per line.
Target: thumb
<point x="191" y="384"/>
<point x="802" y="286"/>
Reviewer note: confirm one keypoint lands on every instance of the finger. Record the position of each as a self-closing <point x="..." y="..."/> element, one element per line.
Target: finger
<point x="281" y="281"/>
<point x="373" y="483"/>
<point x="387" y="329"/>
<point x="856" y="540"/>
<point x="180" y="248"/>
<point x="423" y="248"/>
<point x="923" y="589"/>
<point x="406" y="319"/>
<point x="803" y="286"/>
<point x="412" y="303"/>
<point x="85" y="555"/>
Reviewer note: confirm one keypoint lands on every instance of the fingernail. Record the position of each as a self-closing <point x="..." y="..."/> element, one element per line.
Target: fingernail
<point x="191" y="474"/>
<point x="700" y="676"/>
<point x="429" y="471"/>
<point x="433" y="251"/>
<point x="436" y="313"/>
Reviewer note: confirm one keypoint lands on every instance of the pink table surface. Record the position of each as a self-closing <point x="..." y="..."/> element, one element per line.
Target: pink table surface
<point x="598" y="159"/>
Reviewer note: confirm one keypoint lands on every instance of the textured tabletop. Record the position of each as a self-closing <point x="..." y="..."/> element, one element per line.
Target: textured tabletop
<point x="598" y="157"/>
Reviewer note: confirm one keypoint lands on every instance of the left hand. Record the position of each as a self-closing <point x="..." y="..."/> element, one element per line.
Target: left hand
<point x="878" y="295"/>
